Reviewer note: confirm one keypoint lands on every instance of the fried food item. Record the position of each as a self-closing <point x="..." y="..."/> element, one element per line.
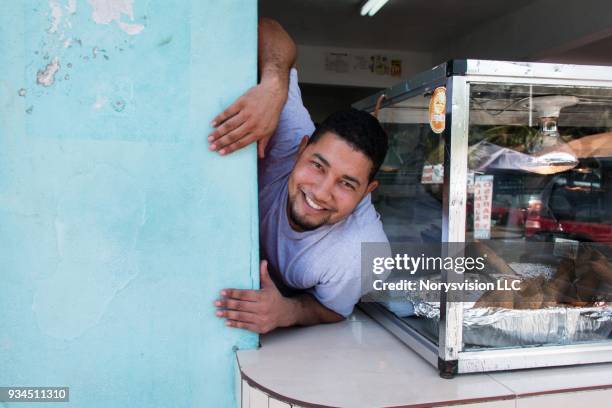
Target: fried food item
<point x="555" y="292"/>
<point x="531" y="294"/>
<point x="566" y="271"/>
<point x="571" y="298"/>
<point x="493" y="260"/>
<point x="586" y="287"/>
<point x="496" y="298"/>
<point x="602" y="269"/>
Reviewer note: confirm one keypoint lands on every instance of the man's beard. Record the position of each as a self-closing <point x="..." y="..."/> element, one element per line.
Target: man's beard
<point x="301" y="222"/>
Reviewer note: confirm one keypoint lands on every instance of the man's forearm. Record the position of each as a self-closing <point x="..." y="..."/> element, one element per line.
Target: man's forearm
<point x="276" y="52"/>
<point x="306" y="311"/>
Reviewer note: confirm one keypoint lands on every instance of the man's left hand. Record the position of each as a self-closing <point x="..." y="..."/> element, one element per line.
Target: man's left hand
<point x="259" y="311"/>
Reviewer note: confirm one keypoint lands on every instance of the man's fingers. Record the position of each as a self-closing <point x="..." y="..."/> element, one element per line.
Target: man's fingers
<point x="231" y="110"/>
<point x="239" y="144"/>
<point x="240" y="305"/>
<point x="237" y="316"/>
<point x="215" y="138"/>
<point x="230" y="137"/>
<point x="241" y="294"/>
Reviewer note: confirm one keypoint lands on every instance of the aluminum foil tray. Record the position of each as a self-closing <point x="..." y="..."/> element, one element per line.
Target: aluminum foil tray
<point x="496" y="327"/>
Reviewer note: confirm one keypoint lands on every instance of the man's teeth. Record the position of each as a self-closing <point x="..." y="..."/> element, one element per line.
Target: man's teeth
<point x="312" y="204"/>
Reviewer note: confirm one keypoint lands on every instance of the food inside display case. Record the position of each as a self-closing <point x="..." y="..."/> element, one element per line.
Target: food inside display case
<point x="537" y="202"/>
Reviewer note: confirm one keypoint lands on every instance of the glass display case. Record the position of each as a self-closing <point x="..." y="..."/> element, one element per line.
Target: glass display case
<point x="514" y="159"/>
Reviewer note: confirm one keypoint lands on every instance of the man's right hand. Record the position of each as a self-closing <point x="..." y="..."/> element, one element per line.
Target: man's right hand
<point x="252" y="118"/>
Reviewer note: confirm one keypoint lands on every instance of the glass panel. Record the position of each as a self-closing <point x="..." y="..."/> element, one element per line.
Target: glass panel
<point x="540" y="200"/>
<point x="409" y="201"/>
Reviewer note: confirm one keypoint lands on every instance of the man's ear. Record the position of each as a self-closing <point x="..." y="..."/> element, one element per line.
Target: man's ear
<point x="303" y="144"/>
<point x="372" y="186"/>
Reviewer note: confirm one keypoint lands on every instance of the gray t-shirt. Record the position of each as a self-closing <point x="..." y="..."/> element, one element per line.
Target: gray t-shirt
<point x="326" y="261"/>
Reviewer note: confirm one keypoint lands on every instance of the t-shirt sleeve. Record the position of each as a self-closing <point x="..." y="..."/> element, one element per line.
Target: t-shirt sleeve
<point x="294" y="123"/>
<point x="341" y="296"/>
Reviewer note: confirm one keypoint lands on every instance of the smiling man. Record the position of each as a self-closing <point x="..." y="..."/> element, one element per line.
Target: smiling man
<point x="314" y="197"/>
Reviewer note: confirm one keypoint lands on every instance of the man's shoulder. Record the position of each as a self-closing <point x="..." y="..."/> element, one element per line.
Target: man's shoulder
<point x="364" y="224"/>
<point x="361" y="226"/>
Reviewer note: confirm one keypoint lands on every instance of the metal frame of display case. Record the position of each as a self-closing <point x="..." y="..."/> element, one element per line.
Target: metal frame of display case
<point x="457" y="76"/>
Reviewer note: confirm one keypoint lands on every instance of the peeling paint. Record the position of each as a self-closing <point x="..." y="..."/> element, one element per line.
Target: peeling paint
<point x="107" y="11"/>
<point x="131" y="29"/>
<point x="29" y="110"/>
<point x="72" y="6"/>
<point x="119" y="105"/>
<point x="22" y="92"/>
<point x="56" y="15"/>
<point x="100" y="102"/>
<point x="165" y="41"/>
<point x="46" y="77"/>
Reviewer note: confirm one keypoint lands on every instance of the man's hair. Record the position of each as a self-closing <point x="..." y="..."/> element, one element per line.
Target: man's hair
<point x="359" y="129"/>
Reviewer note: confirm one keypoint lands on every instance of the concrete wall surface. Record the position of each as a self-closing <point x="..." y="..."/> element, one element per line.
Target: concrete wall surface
<point x="118" y="227"/>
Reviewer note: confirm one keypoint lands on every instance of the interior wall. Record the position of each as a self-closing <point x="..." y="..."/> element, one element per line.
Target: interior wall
<point x="322" y="100"/>
<point x="118" y="228"/>
<point x="357" y="66"/>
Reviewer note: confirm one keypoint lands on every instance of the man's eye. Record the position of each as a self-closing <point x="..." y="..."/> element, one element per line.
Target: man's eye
<point x="316" y="165"/>
<point x="348" y="185"/>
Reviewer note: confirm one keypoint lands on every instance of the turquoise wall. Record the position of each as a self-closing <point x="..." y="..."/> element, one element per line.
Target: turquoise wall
<point x="118" y="227"/>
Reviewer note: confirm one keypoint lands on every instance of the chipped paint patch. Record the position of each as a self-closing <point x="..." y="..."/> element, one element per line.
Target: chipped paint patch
<point x="131" y="29"/>
<point x="56" y="15"/>
<point x="165" y="41"/>
<point x="100" y="102"/>
<point x="72" y="6"/>
<point x="46" y="77"/>
<point x="107" y="11"/>
<point x="21" y="92"/>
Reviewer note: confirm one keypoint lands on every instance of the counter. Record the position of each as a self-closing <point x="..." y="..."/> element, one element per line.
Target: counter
<point x="357" y="363"/>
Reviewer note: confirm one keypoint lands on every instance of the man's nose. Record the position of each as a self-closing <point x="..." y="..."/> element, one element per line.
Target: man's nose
<point x="323" y="191"/>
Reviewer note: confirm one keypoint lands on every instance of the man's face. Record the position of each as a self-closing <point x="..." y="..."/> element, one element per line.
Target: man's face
<point x="328" y="180"/>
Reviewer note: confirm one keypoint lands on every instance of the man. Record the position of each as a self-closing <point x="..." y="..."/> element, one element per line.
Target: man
<point x="314" y="196"/>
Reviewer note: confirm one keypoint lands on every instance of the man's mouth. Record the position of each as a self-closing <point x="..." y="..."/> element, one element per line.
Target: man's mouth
<point x="311" y="203"/>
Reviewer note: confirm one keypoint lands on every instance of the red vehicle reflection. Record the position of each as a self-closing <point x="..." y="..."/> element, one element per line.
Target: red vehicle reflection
<point x="572" y="206"/>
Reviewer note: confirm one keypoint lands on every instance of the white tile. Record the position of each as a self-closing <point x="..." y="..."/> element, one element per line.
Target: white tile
<point x="274" y="403"/>
<point x="258" y="398"/>
<point x="597" y="398"/>
<point x="246" y="395"/>
<point x="488" y="404"/>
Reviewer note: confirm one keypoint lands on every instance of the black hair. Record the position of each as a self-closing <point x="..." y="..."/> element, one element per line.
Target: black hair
<point x="359" y="129"/>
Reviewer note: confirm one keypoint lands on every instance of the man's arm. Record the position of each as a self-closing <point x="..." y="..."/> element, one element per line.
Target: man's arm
<point x="266" y="309"/>
<point x="254" y="116"/>
<point x="309" y="311"/>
